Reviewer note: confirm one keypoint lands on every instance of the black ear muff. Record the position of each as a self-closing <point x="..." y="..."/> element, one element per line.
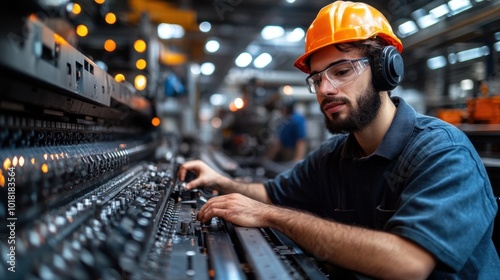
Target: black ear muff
<point x="387" y="69"/>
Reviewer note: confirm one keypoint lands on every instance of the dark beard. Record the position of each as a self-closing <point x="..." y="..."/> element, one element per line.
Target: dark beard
<point x="368" y="107"/>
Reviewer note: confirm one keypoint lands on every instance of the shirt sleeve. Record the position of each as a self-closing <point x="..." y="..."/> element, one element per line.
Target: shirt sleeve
<point x="447" y="205"/>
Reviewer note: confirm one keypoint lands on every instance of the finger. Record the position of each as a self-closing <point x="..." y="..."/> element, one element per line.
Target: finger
<point x="211" y="212"/>
<point x="194" y="184"/>
<point x="184" y="168"/>
<point x="182" y="173"/>
<point x="203" y="213"/>
<point x="211" y="204"/>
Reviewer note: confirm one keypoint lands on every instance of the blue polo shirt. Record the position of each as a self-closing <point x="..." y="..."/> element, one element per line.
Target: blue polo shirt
<point x="425" y="182"/>
<point x="294" y="129"/>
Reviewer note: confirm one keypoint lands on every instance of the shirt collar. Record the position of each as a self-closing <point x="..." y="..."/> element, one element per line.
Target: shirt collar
<point x="396" y="137"/>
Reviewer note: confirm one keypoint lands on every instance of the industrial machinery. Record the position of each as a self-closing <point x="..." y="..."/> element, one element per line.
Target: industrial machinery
<point x="88" y="183"/>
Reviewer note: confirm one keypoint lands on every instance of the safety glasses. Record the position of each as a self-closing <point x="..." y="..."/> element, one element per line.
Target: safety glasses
<point x="338" y="74"/>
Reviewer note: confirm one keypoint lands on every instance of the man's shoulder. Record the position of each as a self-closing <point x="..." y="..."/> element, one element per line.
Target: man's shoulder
<point x="437" y="134"/>
<point x="438" y="126"/>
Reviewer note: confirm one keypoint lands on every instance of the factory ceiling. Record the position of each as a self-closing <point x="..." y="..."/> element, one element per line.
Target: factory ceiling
<point x="237" y="24"/>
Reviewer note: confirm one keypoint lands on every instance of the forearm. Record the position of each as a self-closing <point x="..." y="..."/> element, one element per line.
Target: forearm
<point x="374" y="253"/>
<point x="255" y="191"/>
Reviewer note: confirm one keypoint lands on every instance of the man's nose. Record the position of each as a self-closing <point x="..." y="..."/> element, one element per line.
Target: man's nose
<point x="327" y="87"/>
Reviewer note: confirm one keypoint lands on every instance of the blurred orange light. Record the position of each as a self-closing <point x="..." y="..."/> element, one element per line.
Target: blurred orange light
<point x="120" y="78"/>
<point x="140" y="82"/>
<point x="109" y="45"/>
<point x="6" y="163"/>
<point x="155" y="121"/>
<point x="58" y="39"/>
<point x="100" y="1"/>
<point x="77" y="9"/>
<point x="140" y="64"/>
<point x="110" y="18"/>
<point x="288" y="90"/>
<point x="82" y="30"/>
<point x="2" y="179"/>
<point x="232" y="107"/>
<point x="45" y="168"/>
<point x="140" y="46"/>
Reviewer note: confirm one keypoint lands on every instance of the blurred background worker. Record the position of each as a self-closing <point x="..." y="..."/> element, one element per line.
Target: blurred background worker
<point x="290" y="144"/>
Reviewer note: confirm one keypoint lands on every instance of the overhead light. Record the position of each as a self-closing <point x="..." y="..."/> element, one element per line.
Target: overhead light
<point x="217" y="99"/>
<point x="207" y="68"/>
<point x="458" y="6"/>
<point x="243" y="60"/>
<point x="272" y="31"/>
<point x="440" y="11"/>
<point x="436" y="62"/>
<point x="418" y="13"/>
<point x="205" y="26"/>
<point x="212" y="46"/>
<point x="473" y="53"/>
<point x="452" y="58"/>
<point x="426" y="21"/>
<point x="296" y="35"/>
<point x="407" y="28"/>
<point x="195" y="69"/>
<point x="262" y="60"/>
<point x="54" y="3"/>
<point x="466" y="84"/>
<point x="170" y="31"/>
<point x="497" y="46"/>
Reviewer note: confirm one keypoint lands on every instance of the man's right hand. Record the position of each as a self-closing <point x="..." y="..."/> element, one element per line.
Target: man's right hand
<point x="206" y="176"/>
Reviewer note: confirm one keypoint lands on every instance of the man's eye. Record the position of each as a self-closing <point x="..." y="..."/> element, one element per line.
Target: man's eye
<point x="343" y="72"/>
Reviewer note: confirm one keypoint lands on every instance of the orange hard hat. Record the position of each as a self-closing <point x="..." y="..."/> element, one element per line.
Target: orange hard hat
<point x="345" y="21"/>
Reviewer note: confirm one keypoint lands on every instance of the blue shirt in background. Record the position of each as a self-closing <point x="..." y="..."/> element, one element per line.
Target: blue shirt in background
<point x="293" y="129"/>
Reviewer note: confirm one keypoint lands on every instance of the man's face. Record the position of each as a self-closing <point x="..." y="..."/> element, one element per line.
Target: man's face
<point x="350" y="107"/>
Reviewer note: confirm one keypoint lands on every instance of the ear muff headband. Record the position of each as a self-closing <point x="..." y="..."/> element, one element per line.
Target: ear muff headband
<point x="387" y="69"/>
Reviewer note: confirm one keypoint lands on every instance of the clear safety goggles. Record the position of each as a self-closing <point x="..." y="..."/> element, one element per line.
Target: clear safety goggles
<point x="338" y="73"/>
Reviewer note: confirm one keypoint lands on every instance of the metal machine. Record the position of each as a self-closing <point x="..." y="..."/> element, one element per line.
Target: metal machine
<point x="89" y="187"/>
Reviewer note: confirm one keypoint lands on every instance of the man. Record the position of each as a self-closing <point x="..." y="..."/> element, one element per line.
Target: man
<point x="399" y="195"/>
<point x="290" y="144"/>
